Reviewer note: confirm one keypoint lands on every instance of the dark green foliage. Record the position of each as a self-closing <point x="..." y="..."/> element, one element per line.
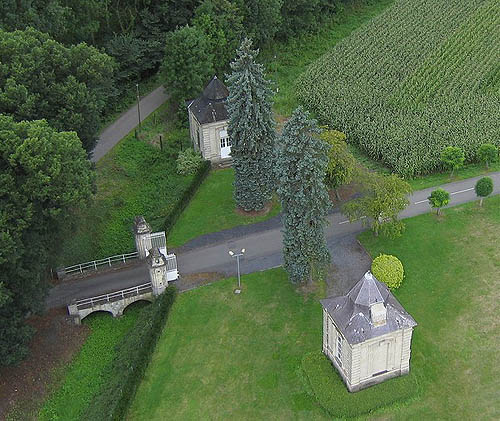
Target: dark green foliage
<point x="251" y="129"/>
<point x="221" y="21"/>
<point x="300" y="169"/>
<point x="483" y="188"/>
<point x="325" y="384"/>
<point x="186" y="196"/>
<point x="453" y="157"/>
<point x="261" y="19"/>
<point x="488" y="153"/>
<point x="132" y="358"/>
<point x="68" y="86"/>
<point x="43" y="174"/>
<point x="341" y="163"/>
<point x="187" y="66"/>
<point x="438" y="199"/>
<point x="385" y="196"/>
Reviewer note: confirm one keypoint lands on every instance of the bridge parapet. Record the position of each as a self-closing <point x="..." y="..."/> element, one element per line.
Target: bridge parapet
<point x="114" y="302"/>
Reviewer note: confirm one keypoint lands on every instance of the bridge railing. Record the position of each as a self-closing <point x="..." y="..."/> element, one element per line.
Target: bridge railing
<point x="94" y="265"/>
<point x="113" y="296"/>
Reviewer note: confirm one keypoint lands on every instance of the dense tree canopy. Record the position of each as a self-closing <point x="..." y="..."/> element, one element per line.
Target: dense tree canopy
<point x="251" y="129"/>
<point x="43" y="174"/>
<point x="67" y="86"/>
<point x="300" y="169"/>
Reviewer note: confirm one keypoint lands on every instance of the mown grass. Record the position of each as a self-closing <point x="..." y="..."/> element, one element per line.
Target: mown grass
<point x="134" y="178"/>
<point x="84" y="375"/>
<point x="451" y="288"/>
<point x="213" y="209"/>
<point x="223" y="356"/>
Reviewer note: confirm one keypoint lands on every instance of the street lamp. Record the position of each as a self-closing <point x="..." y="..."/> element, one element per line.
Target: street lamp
<point x="237" y="255"/>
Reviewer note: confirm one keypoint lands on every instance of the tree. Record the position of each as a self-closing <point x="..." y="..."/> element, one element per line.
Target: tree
<point x="453" y="157"/>
<point x="68" y="86"/>
<point x="222" y="23"/>
<point x="389" y="270"/>
<point x="487" y="153"/>
<point x="43" y="174"/>
<point x="438" y="199"/>
<point x="483" y="188"/>
<point x="385" y="196"/>
<point x="251" y="129"/>
<point x="341" y="163"/>
<point x="187" y="65"/>
<point x="300" y="170"/>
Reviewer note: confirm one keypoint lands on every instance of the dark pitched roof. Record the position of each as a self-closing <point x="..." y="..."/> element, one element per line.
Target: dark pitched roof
<point x="351" y="312"/>
<point x="211" y="105"/>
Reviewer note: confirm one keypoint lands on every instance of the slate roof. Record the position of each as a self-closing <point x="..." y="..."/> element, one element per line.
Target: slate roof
<point x="210" y="107"/>
<point x="351" y="312"/>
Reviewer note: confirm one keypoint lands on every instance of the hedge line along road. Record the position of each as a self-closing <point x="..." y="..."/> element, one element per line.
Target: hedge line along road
<point x="263" y="248"/>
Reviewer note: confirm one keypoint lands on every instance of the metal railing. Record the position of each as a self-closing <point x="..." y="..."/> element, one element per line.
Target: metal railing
<point x="171" y="262"/>
<point x="94" y="264"/>
<point x="113" y="296"/>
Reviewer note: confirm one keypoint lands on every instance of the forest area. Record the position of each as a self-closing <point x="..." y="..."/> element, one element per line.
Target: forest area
<point x="65" y="65"/>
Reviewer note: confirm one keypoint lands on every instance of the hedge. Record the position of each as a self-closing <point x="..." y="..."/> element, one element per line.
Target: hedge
<point x="324" y="383"/>
<point x="132" y="357"/>
<point x="183" y="201"/>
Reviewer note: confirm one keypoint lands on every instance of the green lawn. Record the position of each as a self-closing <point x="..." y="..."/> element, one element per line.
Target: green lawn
<point x="212" y="209"/>
<point x="223" y="356"/>
<point x="451" y="288"/>
<point x="83" y="377"/>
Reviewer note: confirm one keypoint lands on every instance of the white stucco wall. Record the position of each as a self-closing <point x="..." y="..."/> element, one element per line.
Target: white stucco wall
<point x="209" y="137"/>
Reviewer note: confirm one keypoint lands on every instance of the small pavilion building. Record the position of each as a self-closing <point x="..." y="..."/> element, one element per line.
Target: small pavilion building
<point x="208" y="120"/>
<point x="367" y="334"/>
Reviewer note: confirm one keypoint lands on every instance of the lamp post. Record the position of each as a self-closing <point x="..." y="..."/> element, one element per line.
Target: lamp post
<point x="138" y="104"/>
<point x="237" y="255"/>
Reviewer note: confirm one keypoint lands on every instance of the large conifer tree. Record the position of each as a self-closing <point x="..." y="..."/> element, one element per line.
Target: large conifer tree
<point x="251" y="129"/>
<point x="302" y="158"/>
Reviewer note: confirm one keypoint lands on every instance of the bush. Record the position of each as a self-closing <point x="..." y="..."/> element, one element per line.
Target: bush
<point x="453" y="157"/>
<point x="132" y="357"/>
<point x="183" y="200"/>
<point x="483" y="188"/>
<point x="324" y="383"/>
<point x="487" y="153"/>
<point x="439" y="198"/>
<point x="389" y="270"/>
<point x="188" y="162"/>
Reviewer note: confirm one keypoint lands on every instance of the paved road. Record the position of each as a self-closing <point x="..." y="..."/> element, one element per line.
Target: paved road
<point x="263" y="248"/>
<point x="115" y="132"/>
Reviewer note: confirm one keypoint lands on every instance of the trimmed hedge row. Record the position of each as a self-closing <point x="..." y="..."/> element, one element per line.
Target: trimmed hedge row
<point x="324" y="383"/>
<point x="132" y="358"/>
<point x="188" y="194"/>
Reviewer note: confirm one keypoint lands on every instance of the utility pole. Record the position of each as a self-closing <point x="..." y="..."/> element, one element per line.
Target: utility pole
<point x="238" y="255"/>
<point x="138" y="104"/>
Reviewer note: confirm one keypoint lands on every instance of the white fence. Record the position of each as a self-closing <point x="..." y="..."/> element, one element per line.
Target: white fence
<point x="113" y="296"/>
<point x="95" y="264"/>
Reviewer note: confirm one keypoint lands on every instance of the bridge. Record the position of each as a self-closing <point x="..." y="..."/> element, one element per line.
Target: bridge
<point x="162" y="268"/>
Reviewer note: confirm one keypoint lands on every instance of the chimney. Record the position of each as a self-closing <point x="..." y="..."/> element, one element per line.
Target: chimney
<point x="378" y="314"/>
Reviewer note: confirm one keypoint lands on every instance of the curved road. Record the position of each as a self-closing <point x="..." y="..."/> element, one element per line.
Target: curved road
<point x="127" y="121"/>
<point x="263" y="248"/>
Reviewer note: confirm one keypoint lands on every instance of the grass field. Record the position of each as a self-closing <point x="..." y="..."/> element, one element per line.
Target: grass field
<point x="223" y="356"/>
<point x="213" y="209"/>
<point x="83" y="377"/>
<point x="417" y="78"/>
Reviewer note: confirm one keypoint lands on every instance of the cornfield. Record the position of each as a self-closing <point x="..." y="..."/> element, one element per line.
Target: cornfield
<point x="422" y="76"/>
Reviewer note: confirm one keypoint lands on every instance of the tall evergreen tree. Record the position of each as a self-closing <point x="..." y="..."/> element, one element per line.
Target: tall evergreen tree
<point x="302" y="158"/>
<point x="251" y="129"/>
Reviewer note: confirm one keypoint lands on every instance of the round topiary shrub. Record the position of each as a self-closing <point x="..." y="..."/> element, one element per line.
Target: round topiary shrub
<point x="389" y="270"/>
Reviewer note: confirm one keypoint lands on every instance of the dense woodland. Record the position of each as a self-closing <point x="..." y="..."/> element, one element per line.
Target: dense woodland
<point x="64" y="66"/>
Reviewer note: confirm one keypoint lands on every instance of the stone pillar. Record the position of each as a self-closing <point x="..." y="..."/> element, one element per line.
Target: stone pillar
<point x="157" y="271"/>
<point x="142" y="230"/>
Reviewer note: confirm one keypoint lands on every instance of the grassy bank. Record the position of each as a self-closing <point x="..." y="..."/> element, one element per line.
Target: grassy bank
<point x="84" y="375"/>
<point x="213" y="209"/>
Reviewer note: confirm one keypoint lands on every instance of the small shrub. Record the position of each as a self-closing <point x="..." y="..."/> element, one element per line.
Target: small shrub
<point x="439" y="198"/>
<point x="188" y="162"/>
<point x="389" y="270"/>
<point x="483" y="188"/>
<point x="487" y="153"/>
